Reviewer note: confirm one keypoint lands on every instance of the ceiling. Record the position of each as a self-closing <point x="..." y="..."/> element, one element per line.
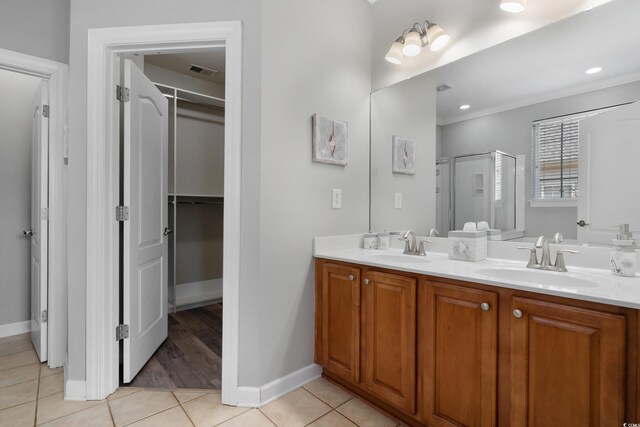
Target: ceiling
<point x="213" y="59"/>
<point x="545" y="64"/>
<point x="473" y="25"/>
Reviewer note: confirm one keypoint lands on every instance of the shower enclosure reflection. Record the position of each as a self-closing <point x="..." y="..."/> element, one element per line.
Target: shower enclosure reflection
<point x="478" y="187"/>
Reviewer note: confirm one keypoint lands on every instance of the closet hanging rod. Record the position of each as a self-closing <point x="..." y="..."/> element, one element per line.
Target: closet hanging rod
<point x="196" y="203"/>
<point x="218" y="107"/>
<point x="189" y="92"/>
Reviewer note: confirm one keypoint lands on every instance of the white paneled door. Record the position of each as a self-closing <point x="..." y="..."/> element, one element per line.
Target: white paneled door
<point x="39" y="231"/>
<point x="608" y="174"/>
<point x="145" y="178"/>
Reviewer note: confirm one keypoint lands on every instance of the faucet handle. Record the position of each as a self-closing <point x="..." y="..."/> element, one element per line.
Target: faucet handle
<point x="533" y="255"/>
<point x="558" y="238"/>
<point x="422" y="251"/>
<point x="560" y="264"/>
<point x="569" y="251"/>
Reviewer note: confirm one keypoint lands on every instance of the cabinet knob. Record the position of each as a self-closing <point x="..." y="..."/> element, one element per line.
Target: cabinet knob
<point x="366" y="281"/>
<point x="517" y="313"/>
<point x="351" y="277"/>
<point x="485" y="306"/>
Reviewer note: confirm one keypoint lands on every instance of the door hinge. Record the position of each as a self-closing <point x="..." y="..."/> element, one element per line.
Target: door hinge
<point x="122" y="93"/>
<point x="122" y="332"/>
<point x="122" y="213"/>
<point x="45" y="111"/>
<point x="43" y="316"/>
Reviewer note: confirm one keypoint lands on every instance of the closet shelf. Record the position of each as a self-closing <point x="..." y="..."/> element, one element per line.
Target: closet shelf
<point x="195" y="200"/>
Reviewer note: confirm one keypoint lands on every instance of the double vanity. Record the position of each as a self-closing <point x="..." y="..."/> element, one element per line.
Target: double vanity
<point x="440" y="342"/>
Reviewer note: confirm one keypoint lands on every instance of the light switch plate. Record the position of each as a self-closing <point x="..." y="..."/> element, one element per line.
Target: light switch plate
<point x="336" y="198"/>
<point x="398" y="201"/>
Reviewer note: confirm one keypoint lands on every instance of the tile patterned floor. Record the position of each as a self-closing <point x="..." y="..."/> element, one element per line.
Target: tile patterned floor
<point x="31" y="395"/>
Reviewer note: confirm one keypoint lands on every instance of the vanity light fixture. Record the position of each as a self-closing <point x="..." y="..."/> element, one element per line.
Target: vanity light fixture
<point x="593" y="70"/>
<point x="413" y="39"/>
<point x="513" y="6"/>
<point x="465" y="107"/>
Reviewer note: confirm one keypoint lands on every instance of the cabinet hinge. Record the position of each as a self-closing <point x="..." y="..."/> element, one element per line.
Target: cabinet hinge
<point x="122" y="93"/>
<point x="43" y="316"/>
<point x="122" y="213"/>
<point x="45" y="111"/>
<point x="122" y="332"/>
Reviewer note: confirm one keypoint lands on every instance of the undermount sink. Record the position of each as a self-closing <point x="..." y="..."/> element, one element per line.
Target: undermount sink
<point x="539" y="277"/>
<point x="400" y="258"/>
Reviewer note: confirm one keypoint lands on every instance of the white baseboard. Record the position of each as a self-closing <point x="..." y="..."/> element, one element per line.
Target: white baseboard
<point x="188" y="294"/>
<point x="260" y="396"/>
<point x="16" y="328"/>
<point x="74" y="389"/>
<point x="249" y="397"/>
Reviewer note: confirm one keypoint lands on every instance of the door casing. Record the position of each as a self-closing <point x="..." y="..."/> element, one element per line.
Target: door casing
<point x="56" y="74"/>
<point x="102" y="309"/>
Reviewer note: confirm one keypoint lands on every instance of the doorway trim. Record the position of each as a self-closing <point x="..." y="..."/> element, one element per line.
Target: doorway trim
<point x="56" y="74"/>
<point x="102" y="356"/>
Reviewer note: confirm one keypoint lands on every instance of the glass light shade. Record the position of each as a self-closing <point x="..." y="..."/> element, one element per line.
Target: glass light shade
<point x="437" y="38"/>
<point x="395" y="54"/>
<point x="412" y="44"/>
<point x="513" y="6"/>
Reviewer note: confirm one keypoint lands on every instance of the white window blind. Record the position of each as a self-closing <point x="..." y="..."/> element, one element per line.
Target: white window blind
<point x="555" y="156"/>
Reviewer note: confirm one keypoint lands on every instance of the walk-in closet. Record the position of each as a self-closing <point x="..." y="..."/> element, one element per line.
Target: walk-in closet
<point x="191" y="356"/>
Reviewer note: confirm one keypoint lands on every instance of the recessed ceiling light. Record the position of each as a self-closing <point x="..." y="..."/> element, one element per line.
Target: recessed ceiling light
<point x="513" y="6"/>
<point x="465" y="107"/>
<point x="593" y="70"/>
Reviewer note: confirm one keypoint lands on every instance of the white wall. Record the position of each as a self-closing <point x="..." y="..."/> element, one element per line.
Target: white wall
<point x="511" y="131"/>
<point x="406" y="109"/>
<point x="16" y="121"/>
<point x="316" y="59"/>
<point x="286" y="198"/>
<point x="36" y="27"/>
<point x="87" y="14"/>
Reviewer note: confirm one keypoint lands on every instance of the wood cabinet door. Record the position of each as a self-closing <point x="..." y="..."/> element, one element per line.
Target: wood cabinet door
<point x="340" y="321"/>
<point x="390" y="338"/>
<point x="462" y="346"/>
<point x="567" y="365"/>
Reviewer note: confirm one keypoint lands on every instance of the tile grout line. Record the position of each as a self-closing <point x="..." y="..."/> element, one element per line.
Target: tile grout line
<point x="155" y="413"/>
<point x="21" y="382"/>
<point x="113" y="420"/>
<point x="182" y="407"/>
<point x="267" y="416"/>
<point x="327" y="403"/>
<point x="35" y="415"/>
<point x="235" y="416"/>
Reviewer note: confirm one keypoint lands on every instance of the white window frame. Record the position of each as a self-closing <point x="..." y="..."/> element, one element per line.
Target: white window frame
<point x="554" y="201"/>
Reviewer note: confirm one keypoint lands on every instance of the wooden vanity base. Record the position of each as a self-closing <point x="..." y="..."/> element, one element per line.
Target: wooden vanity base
<point x="438" y="352"/>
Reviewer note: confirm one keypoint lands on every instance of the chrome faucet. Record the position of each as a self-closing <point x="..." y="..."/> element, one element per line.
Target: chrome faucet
<point x="434" y="232"/>
<point x="410" y="245"/>
<point x="545" y="262"/>
<point x="543" y="243"/>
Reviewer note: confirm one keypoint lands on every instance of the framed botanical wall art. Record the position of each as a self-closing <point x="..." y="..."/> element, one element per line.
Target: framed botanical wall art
<point x="330" y="140"/>
<point x="404" y="155"/>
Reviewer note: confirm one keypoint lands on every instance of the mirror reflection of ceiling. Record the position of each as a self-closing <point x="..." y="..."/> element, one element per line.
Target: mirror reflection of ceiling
<point x="473" y="25"/>
<point x="545" y="64"/>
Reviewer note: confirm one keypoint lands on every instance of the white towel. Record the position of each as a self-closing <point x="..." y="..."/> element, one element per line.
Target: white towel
<point x="469" y="226"/>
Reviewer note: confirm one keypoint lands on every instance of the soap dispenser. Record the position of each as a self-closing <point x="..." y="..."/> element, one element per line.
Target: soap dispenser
<point x="624" y="258"/>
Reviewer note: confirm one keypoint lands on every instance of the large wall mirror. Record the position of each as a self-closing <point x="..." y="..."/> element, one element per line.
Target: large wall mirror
<point x="519" y="135"/>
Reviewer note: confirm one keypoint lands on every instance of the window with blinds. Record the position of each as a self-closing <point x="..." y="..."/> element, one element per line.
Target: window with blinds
<point x="555" y="156"/>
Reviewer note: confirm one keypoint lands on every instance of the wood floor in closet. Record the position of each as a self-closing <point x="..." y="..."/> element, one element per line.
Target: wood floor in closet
<point x="191" y="357"/>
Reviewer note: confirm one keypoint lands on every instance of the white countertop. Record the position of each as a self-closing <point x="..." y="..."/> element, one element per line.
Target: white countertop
<point x="582" y="283"/>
